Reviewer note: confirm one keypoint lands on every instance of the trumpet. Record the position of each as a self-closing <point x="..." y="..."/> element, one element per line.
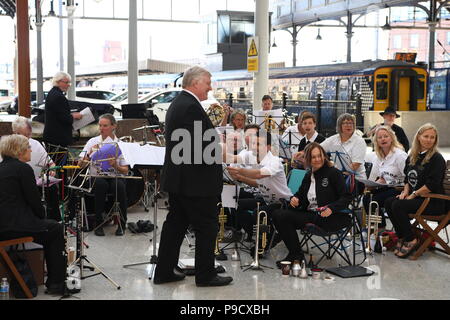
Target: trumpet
<point x="220" y="235"/>
<point x="372" y="220"/>
<point x="260" y="229"/>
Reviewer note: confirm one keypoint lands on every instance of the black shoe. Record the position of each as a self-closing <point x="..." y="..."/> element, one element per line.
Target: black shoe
<point x="60" y="289"/>
<point x="178" y="270"/>
<point x="99" y="232"/>
<point x="120" y="231"/>
<point x="217" y="281"/>
<point x="173" y="278"/>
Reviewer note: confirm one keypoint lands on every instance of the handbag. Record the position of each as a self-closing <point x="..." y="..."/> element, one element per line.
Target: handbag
<point x="22" y="266"/>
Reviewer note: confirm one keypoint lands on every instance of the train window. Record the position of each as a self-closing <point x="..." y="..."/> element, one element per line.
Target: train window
<point x="382" y="90"/>
<point x="382" y="76"/>
<point x="420" y="89"/>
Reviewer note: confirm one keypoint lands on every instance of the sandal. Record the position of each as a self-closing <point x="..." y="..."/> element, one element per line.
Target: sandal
<point x="407" y="249"/>
<point x="398" y="246"/>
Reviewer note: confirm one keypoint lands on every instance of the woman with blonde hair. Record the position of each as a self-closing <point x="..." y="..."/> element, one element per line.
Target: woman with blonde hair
<point x="387" y="168"/>
<point x="424" y="169"/>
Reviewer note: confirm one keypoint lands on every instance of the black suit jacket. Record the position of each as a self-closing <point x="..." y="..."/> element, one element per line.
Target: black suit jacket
<point x="189" y="178"/>
<point x="20" y="204"/>
<point x="58" y="119"/>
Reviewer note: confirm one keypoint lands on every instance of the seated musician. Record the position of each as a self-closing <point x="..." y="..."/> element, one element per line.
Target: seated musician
<point x="39" y="161"/>
<point x="22" y="213"/>
<point x="107" y="125"/>
<point x="267" y="175"/>
<point x="238" y="118"/>
<point x="308" y="123"/>
<point x="322" y="187"/>
<point x="387" y="168"/>
<point x="425" y="171"/>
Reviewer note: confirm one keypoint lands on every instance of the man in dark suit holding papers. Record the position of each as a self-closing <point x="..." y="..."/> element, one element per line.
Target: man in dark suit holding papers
<point x="193" y="180"/>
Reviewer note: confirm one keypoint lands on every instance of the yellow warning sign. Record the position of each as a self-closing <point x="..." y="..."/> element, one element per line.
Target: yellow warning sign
<point x="253" y="51"/>
<point x="252" y="64"/>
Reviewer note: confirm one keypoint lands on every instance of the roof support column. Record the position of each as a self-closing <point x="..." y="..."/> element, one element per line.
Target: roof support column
<point x="349" y="34"/>
<point x="132" y="54"/>
<point x="261" y="78"/>
<point x="23" y="51"/>
<point x="71" y="49"/>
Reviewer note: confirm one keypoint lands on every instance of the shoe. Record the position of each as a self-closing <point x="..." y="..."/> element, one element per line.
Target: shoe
<point x="407" y="249"/>
<point x="120" y="231"/>
<point x="60" y="289"/>
<point x="217" y="281"/>
<point x="178" y="270"/>
<point x="173" y="278"/>
<point x="99" y="232"/>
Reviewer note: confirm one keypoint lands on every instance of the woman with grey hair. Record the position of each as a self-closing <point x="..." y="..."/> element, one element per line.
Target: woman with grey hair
<point x="58" y="118"/>
<point x="22" y="213"/>
<point x="346" y="148"/>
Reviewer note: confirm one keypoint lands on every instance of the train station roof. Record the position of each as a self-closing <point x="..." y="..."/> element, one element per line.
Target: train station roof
<point x="9" y="7"/>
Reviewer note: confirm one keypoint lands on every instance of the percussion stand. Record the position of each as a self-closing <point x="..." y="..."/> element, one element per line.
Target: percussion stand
<point x="81" y="256"/>
<point x="154" y="258"/>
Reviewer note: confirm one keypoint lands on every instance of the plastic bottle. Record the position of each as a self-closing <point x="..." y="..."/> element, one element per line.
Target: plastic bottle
<point x="4" y="289"/>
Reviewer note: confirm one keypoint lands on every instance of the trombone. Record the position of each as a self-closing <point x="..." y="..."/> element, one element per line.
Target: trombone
<point x="372" y="220"/>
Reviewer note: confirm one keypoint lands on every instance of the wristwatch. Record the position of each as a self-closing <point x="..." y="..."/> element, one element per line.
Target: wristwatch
<point x="415" y="193"/>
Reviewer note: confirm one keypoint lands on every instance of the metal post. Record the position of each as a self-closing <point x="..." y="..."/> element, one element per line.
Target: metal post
<point x="230" y="100"/>
<point x="70" y="7"/>
<point x="284" y="100"/>
<point x="432" y="21"/>
<point x="61" y="41"/>
<point x="261" y="78"/>
<point x="132" y="54"/>
<point x="349" y="34"/>
<point x="359" y="116"/>
<point x="319" y="112"/>
<point x="39" y="71"/>
<point x="294" y="45"/>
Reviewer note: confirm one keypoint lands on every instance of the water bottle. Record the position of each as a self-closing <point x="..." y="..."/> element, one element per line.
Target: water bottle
<point x="4" y="289"/>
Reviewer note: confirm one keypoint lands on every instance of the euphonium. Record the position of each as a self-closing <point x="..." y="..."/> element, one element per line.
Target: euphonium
<point x="261" y="230"/>
<point x="373" y="219"/>
<point x="220" y="235"/>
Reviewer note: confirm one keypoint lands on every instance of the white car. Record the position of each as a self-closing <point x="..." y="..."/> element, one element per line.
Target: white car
<point x="160" y="101"/>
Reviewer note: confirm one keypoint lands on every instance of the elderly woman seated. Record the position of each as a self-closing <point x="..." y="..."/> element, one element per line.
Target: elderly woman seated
<point x="320" y="200"/>
<point x="21" y="211"/>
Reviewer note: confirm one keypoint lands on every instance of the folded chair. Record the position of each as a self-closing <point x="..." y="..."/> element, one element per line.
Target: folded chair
<point x="421" y="220"/>
<point x="11" y="265"/>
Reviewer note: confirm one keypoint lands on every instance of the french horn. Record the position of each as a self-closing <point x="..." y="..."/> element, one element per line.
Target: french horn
<point x="216" y="113"/>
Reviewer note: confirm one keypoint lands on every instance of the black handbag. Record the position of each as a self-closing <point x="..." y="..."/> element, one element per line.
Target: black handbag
<point x="22" y="266"/>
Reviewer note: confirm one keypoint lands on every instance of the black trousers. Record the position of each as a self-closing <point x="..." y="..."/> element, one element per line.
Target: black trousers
<point x="399" y="210"/>
<point x="53" y="242"/>
<point x="104" y="186"/>
<point x="201" y="213"/>
<point x="288" y="222"/>
<point x="52" y="202"/>
<point x="380" y="196"/>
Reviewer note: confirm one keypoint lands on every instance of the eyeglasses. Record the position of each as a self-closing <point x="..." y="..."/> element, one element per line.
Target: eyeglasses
<point x="65" y="81"/>
<point x="347" y="123"/>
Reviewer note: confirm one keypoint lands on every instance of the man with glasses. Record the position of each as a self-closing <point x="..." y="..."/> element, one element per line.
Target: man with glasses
<point x="58" y="118"/>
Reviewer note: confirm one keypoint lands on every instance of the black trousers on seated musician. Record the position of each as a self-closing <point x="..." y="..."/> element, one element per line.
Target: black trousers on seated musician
<point x="289" y="221"/>
<point x="102" y="187"/>
<point x="53" y="242"/>
<point x="380" y="196"/>
<point x="201" y="213"/>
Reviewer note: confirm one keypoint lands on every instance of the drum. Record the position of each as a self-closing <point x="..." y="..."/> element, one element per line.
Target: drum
<point x="135" y="188"/>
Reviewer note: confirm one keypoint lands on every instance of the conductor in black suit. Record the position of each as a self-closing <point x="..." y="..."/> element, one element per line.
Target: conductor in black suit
<point x="58" y="118"/>
<point x="193" y="182"/>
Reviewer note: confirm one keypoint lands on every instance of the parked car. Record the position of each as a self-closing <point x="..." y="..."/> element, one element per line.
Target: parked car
<point x="14" y="106"/>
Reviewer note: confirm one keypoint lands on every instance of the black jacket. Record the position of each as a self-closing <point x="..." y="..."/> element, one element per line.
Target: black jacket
<point x="331" y="190"/>
<point x="189" y="178"/>
<point x="20" y="204"/>
<point x="431" y="174"/>
<point x="302" y="145"/>
<point x="58" y="119"/>
<point x="401" y="136"/>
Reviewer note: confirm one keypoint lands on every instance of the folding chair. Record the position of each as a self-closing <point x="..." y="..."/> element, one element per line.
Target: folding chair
<point x="421" y="220"/>
<point x="11" y="265"/>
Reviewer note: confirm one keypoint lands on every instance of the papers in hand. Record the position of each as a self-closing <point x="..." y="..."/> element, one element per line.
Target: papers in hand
<point x="47" y="183"/>
<point x="373" y="184"/>
<point x="87" y="118"/>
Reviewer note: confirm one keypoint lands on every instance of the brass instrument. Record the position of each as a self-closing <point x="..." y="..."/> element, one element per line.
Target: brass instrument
<point x="260" y="229"/>
<point x="269" y="123"/>
<point x="372" y="220"/>
<point x="220" y="235"/>
<point x="216" y="113"/>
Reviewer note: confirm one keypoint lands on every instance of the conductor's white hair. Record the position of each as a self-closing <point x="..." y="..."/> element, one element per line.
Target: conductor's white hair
<point x="61" y="75"/>
<point x="193" y="74"/>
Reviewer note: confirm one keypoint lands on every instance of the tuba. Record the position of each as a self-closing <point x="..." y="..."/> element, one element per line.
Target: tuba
<point x="222" y="220"/>
<point x="216" y="113"/>
<point x="372" y="220"/>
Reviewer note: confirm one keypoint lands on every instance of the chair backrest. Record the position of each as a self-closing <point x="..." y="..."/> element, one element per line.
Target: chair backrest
<point x="446" y="183"/>
<point x="295" y="179"/>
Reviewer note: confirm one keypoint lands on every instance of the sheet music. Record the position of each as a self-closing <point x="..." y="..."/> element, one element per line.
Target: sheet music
<point x="51" y="181"/>
<point x="135" y="154"/>
<point x="88" y="118"/>
<point x="260" y="117"/>
<point x="370" y="183"/>
<point x="229" y="196"/>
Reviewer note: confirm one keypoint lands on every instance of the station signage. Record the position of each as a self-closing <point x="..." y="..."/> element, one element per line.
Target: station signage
<point x="252" y="54"/>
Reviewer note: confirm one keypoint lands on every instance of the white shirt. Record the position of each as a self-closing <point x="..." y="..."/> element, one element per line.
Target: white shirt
<point x="351" y="151"/>
<point x="274" y="187"/>
<point x="312" y="198"/>
<point x="391" y="167"/>
<point x="99" y="141"/>
<point x="295" y="137"/>
<point x="39" y="157"/>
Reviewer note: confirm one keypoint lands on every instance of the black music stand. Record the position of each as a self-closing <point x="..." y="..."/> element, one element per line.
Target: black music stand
<point x="154" y="258"/>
